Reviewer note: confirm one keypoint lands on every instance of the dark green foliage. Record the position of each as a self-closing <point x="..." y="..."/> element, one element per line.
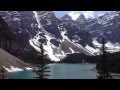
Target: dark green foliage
<point x="102" y="64"/>
<point x="42" y="71"/>
<point x="112" y="60"/>
<point x="113" y="63"/>
<point x="78" y="58"/>
<point x="2" y="73"/>
<point x="42" y="68"/>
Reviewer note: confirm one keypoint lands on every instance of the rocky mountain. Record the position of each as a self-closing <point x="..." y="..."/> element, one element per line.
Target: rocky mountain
<point x="64" y="36"/>
<point x="11" y="63"/>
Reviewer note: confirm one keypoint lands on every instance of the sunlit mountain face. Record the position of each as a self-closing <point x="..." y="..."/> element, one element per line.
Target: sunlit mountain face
<point x="66" y="32"/>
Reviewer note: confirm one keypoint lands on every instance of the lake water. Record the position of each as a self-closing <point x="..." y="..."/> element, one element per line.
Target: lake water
<point x="61" y="71"/>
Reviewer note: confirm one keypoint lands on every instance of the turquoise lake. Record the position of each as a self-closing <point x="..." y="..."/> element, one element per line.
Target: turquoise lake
<point x="61" y="71"/>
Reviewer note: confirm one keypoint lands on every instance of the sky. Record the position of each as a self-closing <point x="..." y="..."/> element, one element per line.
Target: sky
<point x="75" y="14"/>
<point x="60" y="13"/>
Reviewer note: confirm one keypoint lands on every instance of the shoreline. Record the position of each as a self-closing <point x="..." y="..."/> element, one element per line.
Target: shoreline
<point x="94" y="69"/>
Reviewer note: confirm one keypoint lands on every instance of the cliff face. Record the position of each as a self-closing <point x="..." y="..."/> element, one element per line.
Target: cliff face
<point x="8" y="40"/>
<point x="59" y="36"/>
<point x="11" y="42"/>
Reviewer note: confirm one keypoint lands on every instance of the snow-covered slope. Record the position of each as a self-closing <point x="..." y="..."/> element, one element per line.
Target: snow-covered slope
<point x="110" y="47"/>
<point x="56" y="53"/>
<point x="65" y="35"/>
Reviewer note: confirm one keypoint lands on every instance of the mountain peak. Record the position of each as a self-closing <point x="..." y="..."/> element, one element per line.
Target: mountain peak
<point x="104" y="19"/>
<point x="81" y="18"/>
<point x="48" y="14"/>
<point x="73" y="33"/>
<point x="66" y="17"/>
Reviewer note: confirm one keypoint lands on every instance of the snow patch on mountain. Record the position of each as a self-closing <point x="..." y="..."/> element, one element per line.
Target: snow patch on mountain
<point x="92" y="50"/>
<point x="12" y="69"/>
<point x="34" y="42"/>
<point x="16" y="69"/>
<point x="37" y="19"/>
<point x="48" y="48"/>
<point x="16" y="19"/>
<point x="75" y="44"/>
<point x="72" y="50"/>
<point x="96" y="43"/>
<point x="110" y="47"/>
<point x="108" y="16"/>
<point x="28" y="68"/>
<point x="63" y="35"/>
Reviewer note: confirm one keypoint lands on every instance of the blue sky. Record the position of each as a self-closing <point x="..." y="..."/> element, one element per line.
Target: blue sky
<point x="60" y="13"/>
<point x="75" y="14"/>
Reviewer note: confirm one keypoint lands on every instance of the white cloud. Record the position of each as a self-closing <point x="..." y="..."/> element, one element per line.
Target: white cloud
<point x="75" y="14"/>
<point x="88" y="14"/>
<point x="100" y="13"/>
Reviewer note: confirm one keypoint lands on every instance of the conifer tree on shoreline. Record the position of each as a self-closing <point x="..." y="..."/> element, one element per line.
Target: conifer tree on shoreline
<point x="102" y="64"/>
<point x="42" y="68"/>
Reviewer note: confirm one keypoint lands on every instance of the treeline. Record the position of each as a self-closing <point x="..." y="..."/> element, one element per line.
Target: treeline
<point x="78" y="58"/>
<point x="112" y="60"/>
<point x="109" y="62"/>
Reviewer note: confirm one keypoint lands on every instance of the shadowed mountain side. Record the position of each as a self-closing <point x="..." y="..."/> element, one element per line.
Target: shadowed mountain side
<point x="9" y="60"/>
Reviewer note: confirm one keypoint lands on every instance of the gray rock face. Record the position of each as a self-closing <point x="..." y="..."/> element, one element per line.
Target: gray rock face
<point x="58" y="33"/>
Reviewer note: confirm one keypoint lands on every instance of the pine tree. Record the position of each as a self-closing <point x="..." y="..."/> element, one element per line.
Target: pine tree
<point x="103" y="54"/>
<point x="2" y="73"/>
<point x="102" y="65"/>
<point x="42" y="67"/>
